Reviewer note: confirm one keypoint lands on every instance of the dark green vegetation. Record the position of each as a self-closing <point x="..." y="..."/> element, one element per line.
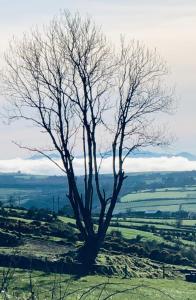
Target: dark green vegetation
<point x="30" y="190"/>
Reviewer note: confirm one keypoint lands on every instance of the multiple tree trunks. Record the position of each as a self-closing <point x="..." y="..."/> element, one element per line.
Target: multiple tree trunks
<point x="71" y="83"/>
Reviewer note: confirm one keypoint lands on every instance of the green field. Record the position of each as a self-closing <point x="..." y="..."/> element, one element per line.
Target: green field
<point x="167" y="194"/>
<point x="152" y="206"/>
<point x="132" y="233"/>
<point x="160" y="199"/>
<point x="141" y="224"/>
<point x="67" y="220"/>
<point x="161" y="222"/>
<point x="50" y="286"/>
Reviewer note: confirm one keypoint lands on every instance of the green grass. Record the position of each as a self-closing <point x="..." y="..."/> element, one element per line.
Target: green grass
<point x="167" y="194"/>
<point x="93" y="287"/>
<point x="24" y="220"/>
<point x="154" y="205"/>
<point x="158" y="223"/>
<point x="189" y="222"/>
<point x="159" y="195"/>
<point x="162" y="199"/>
<point x="126" y="232"/>
<point x="158" y="226"/>
<point x="67" y="220"/>
<point x="188" y="243"/>
<point x="132" y="233"/>
<point x="21" y="219"/>
<point x="149" y="221"/>
<point x="187" y="188"/>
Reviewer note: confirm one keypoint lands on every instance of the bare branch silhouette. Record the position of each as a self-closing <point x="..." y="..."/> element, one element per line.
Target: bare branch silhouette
<point x="76" y="87"/>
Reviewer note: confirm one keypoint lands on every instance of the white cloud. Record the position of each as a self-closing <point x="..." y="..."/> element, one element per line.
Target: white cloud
<point x="45" y="167"/>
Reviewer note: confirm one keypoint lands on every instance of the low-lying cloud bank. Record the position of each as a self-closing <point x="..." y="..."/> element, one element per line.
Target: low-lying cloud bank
<point x="46" y="167"/>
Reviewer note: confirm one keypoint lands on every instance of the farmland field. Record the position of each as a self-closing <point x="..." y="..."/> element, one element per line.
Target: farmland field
<point x="132" y="233"/>
<point x="149" y="206"/>
<point x="162" y="221"/>
<point x="168" y="194"/>
<point x="161" y="199"/>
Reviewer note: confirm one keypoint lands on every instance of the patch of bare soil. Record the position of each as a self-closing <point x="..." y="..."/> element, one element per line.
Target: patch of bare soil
<point x="43" y="248"/>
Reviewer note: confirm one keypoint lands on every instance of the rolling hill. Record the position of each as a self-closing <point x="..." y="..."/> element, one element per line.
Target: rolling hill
<point x="141" y="191"/>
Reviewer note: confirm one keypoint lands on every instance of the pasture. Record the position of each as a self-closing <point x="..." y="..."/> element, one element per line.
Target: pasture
<point x="52" y="286"/>
<point x="161" y="199"/>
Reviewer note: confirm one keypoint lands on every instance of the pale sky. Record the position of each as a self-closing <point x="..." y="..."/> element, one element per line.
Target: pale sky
<point x="168" y="25"/>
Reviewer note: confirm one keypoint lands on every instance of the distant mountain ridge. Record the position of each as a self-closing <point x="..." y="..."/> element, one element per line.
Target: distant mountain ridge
<point x="135" y="154"/>
<point x="149" y="154"/>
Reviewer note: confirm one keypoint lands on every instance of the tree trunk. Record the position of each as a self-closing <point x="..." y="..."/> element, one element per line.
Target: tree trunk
<point x="87" y="254"/>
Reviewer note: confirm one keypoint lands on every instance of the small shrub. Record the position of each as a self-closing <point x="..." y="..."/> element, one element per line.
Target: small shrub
<point x="36" y="223"/>
<point x="9" y="240"/>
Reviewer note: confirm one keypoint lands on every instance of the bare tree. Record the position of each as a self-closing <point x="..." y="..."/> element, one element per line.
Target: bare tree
<point x="72" y="83"/>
